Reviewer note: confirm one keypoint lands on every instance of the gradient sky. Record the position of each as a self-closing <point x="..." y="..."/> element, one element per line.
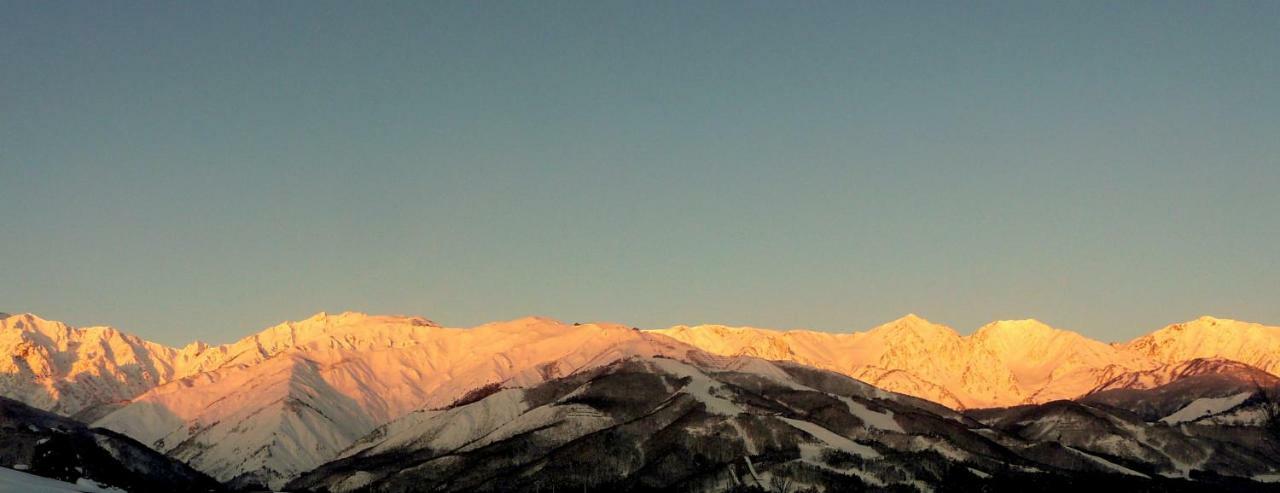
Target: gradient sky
<point x="203" y="170"/>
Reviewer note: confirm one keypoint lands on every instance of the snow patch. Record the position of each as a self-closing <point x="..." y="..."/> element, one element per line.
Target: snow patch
<point x="832" y="439"/>
<point x="882" y="420"/>
<point x="1108" y="464"/>
<point x="746" y="440"/>
<point x="812" y="454"/>
<point x="12" y="481"/>
<point x="1206" y="406"/>
<point x="700" y="386"/>
<point x="920" y="443"/>
<point x="355" y="481"/>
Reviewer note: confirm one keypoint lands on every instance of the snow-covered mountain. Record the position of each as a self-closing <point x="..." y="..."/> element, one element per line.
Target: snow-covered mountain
<point x="688" y="424"/>
<point x="1207" y="337"/>
<point x="1163" y="392"/>
<point x="278" y="403"/>
<point x="44" y="444"/>
<point x="716" y="424"/>
<point x="1003" y="363"/>
<point x="331" y="379"/>
<point x="57" y="368"/>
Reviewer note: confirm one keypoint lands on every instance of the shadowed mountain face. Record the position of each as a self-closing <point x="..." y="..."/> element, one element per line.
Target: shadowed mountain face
<point x="48" y="445"/>
<point x="657" y="424"/>
<point x="1184" y="392"/>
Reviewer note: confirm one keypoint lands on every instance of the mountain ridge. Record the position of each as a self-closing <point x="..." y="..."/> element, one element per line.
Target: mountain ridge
<point x="279" y="402"/>
<point x="880" y="354"/>
<point x="1002" y="363"/>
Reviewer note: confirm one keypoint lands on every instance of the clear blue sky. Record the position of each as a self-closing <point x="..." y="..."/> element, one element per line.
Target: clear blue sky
<point x="184" y="170"/>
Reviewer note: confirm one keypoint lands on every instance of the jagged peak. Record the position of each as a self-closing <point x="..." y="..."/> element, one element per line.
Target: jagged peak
<point x="340" y="317"/>
<point x="30" y="322"/>
<point x="27" y="316"/>
<point x="195" y="346"/>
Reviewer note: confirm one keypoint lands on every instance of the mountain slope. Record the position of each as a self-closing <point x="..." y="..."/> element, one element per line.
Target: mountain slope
<point x="18" y="481"/>
<point x="85" y="371"/>
<point x="656" y="422"/>
<point x="712" y="424"/>
<point x="47" y="445"/>
<point x="264" y="423"/>
<point x="1159" y="393"/>
<point x="54" y="367"/>
<point x="1208" y="337"/>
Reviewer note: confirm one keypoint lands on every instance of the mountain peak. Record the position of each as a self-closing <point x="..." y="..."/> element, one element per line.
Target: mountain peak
<point x="195" y="347"/>
<point x="341" y="317"/>
<point x="352" y="327"/>
<point x="536" y="319"/>
<point x="1015" y="328"/>
<point x="325" y="319"/>
<point x="912" y="323"/>
<point x="908" y="320"/>
<point x="1208" y="322"/>
<point x="23" y="316"/>
<point x="911" y="318"/>
<point x="30" y="322"/>
<point x="530" y="322"/>
<point x="1213" y="321"/>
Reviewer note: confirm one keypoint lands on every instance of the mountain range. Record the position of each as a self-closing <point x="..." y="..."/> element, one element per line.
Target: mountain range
<point x="353" y="402"/>
<point x="1003" y="363"/>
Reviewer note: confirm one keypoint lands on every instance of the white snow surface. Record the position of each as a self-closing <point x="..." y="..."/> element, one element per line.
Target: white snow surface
<point x="12" y="481"/>
<point x="701" y="387"/>
<point x="1108" y="464"/>
<point x="812" y="454"/>
<point x="881" y="420"/>
<point x="832" y="439"/>
<point x="1206" y="406"/>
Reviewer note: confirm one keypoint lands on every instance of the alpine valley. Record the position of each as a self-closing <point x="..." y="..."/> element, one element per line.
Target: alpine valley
<point x="353" y="402"/>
